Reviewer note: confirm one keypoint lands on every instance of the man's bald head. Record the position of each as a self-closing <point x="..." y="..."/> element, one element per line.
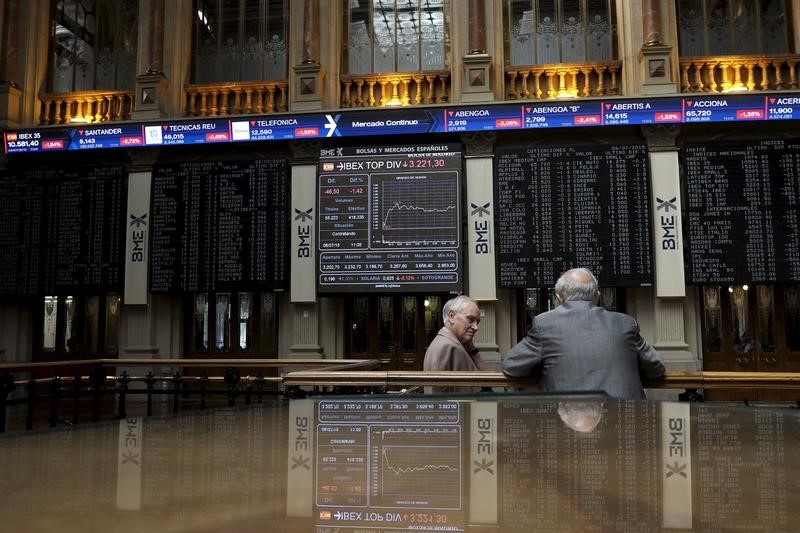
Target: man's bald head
<point x="577" y="284"/>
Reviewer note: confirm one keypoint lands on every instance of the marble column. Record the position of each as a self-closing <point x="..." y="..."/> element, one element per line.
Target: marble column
<point x="477" y="27"/>
<point x="8" y="74"/>
<point x="10" y="94"/>
<point x="651" y="19"/>
<point x="151" y="86"/>
<point x="311" y="32"/>
<point x="307" y="81"/>
<point x="156" y="37"/>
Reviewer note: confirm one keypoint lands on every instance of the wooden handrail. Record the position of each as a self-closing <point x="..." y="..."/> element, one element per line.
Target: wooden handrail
<point x="673" y="380"/>
<point x="330" y="364"/>
<point x="361" y="372"/>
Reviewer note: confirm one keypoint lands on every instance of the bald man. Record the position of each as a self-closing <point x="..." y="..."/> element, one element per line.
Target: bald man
<point x="452" y="348"/>
<point x="580" y="346"/>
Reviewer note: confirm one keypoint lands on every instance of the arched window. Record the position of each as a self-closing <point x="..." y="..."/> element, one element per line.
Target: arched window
<point x="540" y="32"/>
<point x="725" y="27"/>
<point x="240" y="40"/>
<point x="94" y="44"/>
<point x="397" y="35"/>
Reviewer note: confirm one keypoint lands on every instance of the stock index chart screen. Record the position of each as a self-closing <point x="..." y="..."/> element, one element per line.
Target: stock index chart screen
<point x="391" y="464"/>
<point x="390" y="219"/>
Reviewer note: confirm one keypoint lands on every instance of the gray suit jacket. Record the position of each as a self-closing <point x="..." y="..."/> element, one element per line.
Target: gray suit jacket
<point x="580" y="346"/>
<point x="447" y="353"/>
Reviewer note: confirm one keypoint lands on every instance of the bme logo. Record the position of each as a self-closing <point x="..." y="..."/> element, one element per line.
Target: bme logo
<point x="481" y="227"/>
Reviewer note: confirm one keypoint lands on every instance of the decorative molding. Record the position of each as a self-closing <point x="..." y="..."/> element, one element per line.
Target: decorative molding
<point x="143" y="159"/>
<point x="479" y="143"/>
<point x="305" y="330"/>
<point x="305" y="151"/>
<point x="661" y="137"/>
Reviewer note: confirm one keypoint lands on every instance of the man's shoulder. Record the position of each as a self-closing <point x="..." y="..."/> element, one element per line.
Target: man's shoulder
<point x="617" y="317"/>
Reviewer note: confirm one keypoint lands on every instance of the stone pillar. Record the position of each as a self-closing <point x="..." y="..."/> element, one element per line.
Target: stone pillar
<point x="486" y="338"/>
<point x="305" y="331"/>
<point x="480" y="259"/>
<point x="156" y="37"/>
<point x="10" y="94"/>
<point x="670" y="320"/>
<point x="307" y="80"/>
<point x="151" y="86"/>
<point x="666" y="210"/>
<point x="139" y="324"/>
<point x="476" y="86"/>
<point x="477" y="27"/>
<point x="651" y="22"/>
<point x="655" y="57"/>
<point x="303" y="297"/>
<point x="311" y="32"/>
<point x="8" y="56"/>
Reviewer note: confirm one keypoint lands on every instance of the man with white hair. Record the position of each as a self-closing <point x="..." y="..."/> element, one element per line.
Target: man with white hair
<point x="452" y="348"/>
<point x="580" y="346"/>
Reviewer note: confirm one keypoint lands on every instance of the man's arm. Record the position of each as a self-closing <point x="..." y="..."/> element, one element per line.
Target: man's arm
<point x="523" y="358"/>
<point x="651" y="364"/>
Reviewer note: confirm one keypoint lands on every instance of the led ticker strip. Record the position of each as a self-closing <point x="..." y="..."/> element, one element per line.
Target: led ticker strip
<point x="359" y="123"/>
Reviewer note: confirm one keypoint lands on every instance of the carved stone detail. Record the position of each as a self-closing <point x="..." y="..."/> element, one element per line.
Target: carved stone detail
<point x="305" y="151"/>
<point x="479" y="143"/>
<point x="661" y="137"/>
<point x="143" y="159"/>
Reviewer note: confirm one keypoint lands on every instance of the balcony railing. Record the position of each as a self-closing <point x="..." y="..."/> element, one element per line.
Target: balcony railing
<point x="401" y="89"/>
<point x="721" y="74"/>
<point x="568" y="80"/>
<point x="85" y="106"/>
<point x="246" y="97"/>
<point x="70" y="392"/>
<point x="75" y="391"/>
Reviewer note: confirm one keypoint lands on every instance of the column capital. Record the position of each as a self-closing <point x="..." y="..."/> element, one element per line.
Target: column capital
<point x="305" y="151"/>
<point x="479" y="143"/>
<point x="661" y="137"/>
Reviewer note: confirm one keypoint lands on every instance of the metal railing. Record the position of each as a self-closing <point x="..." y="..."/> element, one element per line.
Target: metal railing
<point x="62" y="392"/>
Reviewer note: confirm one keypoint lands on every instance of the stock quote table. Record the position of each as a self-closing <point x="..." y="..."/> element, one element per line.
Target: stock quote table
<point x="380" y="463"/>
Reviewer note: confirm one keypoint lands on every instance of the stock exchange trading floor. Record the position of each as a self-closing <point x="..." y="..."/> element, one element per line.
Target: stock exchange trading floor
<point x="413" y="463"/>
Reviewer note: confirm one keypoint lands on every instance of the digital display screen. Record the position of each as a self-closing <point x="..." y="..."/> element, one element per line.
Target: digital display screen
<point x="390" y="219"/>
<point x="390" y="463"/>
<point x="742" y="203"/>
<point x="62" y="229"/>
<point x="561" y="207"/>
<point x="220" y="225"/>
<point x="410" y="121"/>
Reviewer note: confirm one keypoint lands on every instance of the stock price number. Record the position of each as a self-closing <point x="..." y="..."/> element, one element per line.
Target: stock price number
<point x="427" y="518"/>
<point x="23" y="144"/>
<point x="424" y="163"/>
<point x="781" y="111"/>
<point x="698" y="113"/>
<point x="173" y="136"/>
<point x="90" y="140"/>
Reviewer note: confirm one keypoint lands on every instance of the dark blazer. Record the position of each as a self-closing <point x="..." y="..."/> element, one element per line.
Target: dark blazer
<point x="580" y="346"/>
